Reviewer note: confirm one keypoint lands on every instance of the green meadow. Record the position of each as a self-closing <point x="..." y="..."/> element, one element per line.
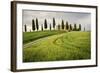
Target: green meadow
<point x="56" y="45"/>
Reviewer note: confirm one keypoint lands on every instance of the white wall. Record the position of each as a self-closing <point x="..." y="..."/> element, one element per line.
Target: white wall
<point x="5" y="37"/>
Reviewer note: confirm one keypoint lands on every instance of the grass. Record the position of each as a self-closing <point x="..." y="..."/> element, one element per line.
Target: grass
<point x="65" y="46"/>
<point x="31" y="36"/>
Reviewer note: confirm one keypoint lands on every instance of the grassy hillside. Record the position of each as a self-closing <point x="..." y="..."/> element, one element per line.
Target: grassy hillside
<point x="65" y="46"/>
<point x="31" y="36"/>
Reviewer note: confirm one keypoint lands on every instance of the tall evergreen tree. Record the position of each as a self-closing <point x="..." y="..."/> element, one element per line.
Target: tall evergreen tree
<point x="67" y="26"/>
<point x="58" y="26"/>
<point x="79" y="27"/>
<point x="62" y="24"/>
<point x="41" y="27"/>
<point x="70" y="27"/>
<point x="37" y="26"/>
<point x="54" y="23"/>
<point x="45" y="24"/>
<point x="25" y="28"/>
<point x="84" y="28"/>
<point x="33" y="25"/>
<point x="75" y="27"/>
<point x="50" y="26"/>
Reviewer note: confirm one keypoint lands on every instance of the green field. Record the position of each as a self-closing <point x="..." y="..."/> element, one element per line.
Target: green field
<point x="31" y="36"/>
<point x="56" y="46"/>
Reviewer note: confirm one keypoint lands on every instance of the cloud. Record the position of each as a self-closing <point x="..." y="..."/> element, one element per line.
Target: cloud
<point x="71" y="17"/>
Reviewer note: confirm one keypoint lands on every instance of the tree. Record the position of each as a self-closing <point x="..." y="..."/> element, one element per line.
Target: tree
<point x="42" y="27"/>
<point x="84" y="28"/>
<point x="33" y="25"/>
<point x="58" y="26"/>
<point x="70" y="27"/>
<point x="79" y="27"/>
<point x="75" y="27"/>
<point x="50" y="26"/>
<point x="67" y="26"/>
<point x="45" y="24"/>
<point x="37" y="26"/>
<point x="25" y="28"/>
<point x="62" y="24"/>
<point x="54" y="23"/>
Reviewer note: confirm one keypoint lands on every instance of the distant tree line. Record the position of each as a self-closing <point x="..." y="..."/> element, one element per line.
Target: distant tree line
<point x="62" y="26"/>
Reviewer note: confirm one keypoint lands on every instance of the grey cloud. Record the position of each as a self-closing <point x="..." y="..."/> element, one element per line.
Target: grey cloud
<point x="71" y="17"/>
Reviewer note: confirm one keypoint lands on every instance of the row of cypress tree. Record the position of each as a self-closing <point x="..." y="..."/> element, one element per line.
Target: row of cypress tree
<point x="35" y="26"/>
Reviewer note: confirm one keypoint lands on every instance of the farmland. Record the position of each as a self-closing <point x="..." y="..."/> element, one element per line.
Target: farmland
<point x="56" y="46"/>
<point x="31" y="36"/>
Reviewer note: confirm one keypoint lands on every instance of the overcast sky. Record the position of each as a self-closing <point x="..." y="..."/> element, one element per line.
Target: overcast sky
<point x="72" y="17"/>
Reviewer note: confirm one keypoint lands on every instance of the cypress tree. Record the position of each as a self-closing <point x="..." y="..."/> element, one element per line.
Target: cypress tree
<point x="75" y="27"/>
<point x="79" y="27"/>
<point x="54" y="23"/>
<point x="37" y="26"/>
<point x="50" y="26"/>
<point x="25" y="28"/>
<point x="84" y="28"/>
<point x="42" y="27"/>
<point x="45" y="24"/>
<point x="62" y="24"/>
<point x="33" y="25"/>
<point x="67" y="26"/>
<point x="70" y="27"/>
